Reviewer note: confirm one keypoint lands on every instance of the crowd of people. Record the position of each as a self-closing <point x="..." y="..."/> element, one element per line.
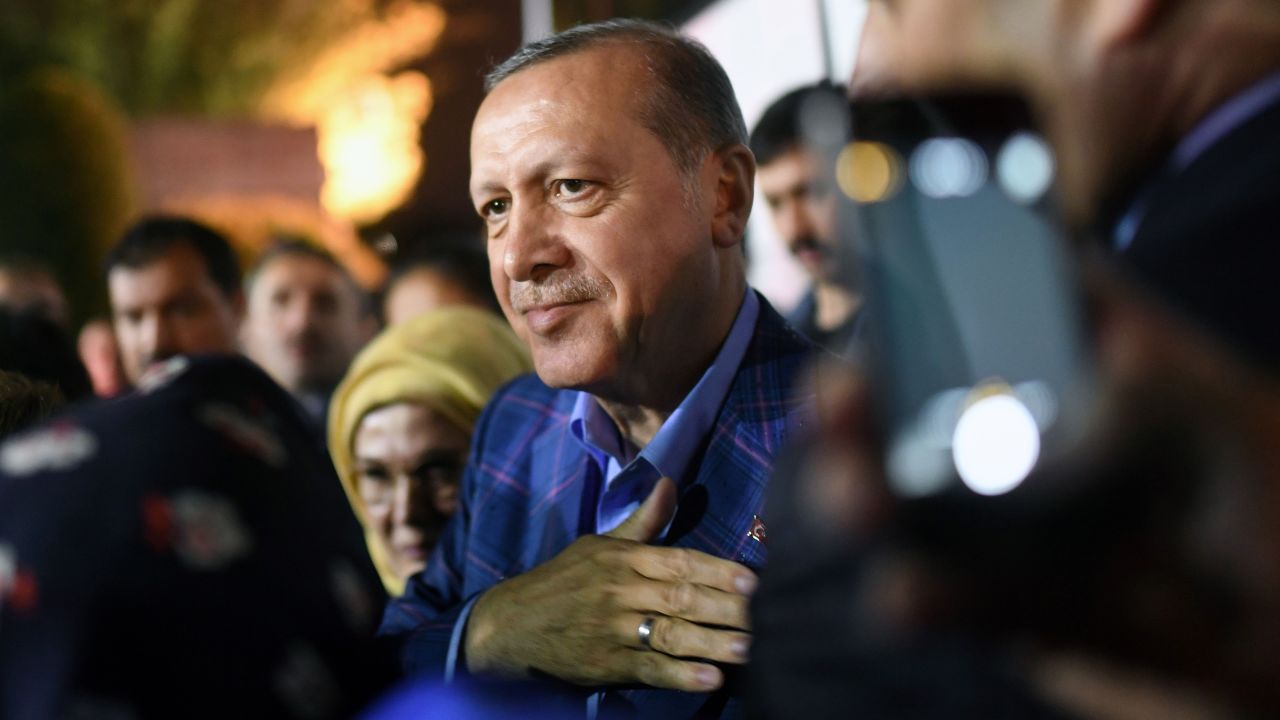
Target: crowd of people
<point x="598" y="475"/>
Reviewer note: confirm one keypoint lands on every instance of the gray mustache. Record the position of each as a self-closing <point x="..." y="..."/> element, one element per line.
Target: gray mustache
<point x="557" y="291"/>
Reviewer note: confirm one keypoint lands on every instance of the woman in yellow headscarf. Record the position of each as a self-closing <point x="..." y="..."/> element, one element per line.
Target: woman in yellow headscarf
<point x="400" y="427"/>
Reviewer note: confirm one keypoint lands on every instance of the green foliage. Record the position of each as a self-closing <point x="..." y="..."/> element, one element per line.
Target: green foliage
<point x="64" y="189"/>
<point x="213" y="58"/>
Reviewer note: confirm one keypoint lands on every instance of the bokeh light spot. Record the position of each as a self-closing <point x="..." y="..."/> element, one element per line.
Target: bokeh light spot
<point x="868" y="172"/>
<point x="1025" y="167"/>
<point x="948" y="168"/>
<point x="996" y="444"/>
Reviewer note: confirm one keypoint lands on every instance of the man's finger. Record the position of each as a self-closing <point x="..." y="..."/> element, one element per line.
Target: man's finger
<point x="680" y="565"/>
<point x="652" y="516"/>
<point x="663" y="671"/>
<point x="692" y="602"/>
<point x="683" y="639"/>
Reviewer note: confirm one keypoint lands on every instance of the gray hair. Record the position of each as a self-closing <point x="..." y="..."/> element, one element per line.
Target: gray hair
<point x="692" y="109"/>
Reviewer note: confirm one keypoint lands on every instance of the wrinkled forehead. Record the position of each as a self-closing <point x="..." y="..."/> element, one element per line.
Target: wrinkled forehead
<point x="605" y="68"/>
<point x="582" y="86"/>
<point x="561" y="112"/>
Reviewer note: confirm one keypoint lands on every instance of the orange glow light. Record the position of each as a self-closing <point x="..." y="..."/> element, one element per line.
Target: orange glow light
<point x="367" y="120"/>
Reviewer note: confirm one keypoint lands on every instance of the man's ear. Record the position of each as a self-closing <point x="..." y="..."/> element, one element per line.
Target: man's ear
<point x="1120" y="22"/>
<point x="735" y="191"/>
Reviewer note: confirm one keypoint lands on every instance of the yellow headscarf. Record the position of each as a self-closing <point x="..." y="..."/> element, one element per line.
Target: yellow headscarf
<point x="450" y="360"/>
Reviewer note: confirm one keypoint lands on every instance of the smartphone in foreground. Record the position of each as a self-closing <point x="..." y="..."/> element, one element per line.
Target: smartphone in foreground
<point x="976" y="332"/>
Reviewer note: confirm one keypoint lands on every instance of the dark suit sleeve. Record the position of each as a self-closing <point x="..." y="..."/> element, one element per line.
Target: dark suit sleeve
<point x="1219" y="272"/>
<point x="424" y="621"/>
<point x="1207" y="242"/>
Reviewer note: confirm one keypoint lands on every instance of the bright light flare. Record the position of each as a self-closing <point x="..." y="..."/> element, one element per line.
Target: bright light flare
<point x="996" y="444"/>
<point x="367" y="120"/>
<point x="369" y="146"/>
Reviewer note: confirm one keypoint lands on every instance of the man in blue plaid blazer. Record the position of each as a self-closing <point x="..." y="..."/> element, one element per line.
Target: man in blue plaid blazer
<point x="611" y="512"/>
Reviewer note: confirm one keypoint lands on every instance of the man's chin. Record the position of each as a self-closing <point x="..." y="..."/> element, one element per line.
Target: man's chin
<point x="566" y="373"/>
<point x="561" y="380"/>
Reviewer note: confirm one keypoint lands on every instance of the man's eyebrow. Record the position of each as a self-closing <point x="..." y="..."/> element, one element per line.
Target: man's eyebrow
<point x="536" y="174"/>
<point x="487" y="188"/>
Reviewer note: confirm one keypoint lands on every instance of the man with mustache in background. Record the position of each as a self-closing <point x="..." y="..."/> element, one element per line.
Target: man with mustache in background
<point x="611" y="513"/>
<point x="307" y="318"/>
<point x="802" y="204"/>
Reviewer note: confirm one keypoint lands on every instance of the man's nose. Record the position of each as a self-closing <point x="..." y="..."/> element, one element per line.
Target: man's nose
<point x="533" y="245"/>
<point x="794" y="221"/>
<point x="159" y="339"/>
<point x="298" y="314"/>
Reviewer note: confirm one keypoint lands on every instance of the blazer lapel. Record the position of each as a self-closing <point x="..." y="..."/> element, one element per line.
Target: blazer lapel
<point x="722" y="507"/>
<point x="719" y="509"/>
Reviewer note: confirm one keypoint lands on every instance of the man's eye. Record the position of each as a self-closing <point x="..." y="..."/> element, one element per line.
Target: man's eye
<point x="493" y="207"/>
<point x="570" y="187"/>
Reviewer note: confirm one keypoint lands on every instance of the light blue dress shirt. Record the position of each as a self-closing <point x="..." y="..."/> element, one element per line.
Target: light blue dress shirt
<point x="629" y="476"/>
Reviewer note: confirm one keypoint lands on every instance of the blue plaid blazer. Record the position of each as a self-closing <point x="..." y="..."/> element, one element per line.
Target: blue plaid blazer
<point x="527" y="477"/>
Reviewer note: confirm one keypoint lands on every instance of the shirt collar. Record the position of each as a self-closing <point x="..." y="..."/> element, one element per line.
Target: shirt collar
<point x="1227" y="117"/>
<point x="672" y="449"/>
<point x="1214" y="127"/>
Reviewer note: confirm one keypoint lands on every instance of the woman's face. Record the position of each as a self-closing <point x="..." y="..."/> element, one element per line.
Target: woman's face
<point x="408" y="462"/>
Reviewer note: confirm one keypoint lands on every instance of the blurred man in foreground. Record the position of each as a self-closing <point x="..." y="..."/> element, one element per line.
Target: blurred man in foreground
<point x="183" y="552"/>
<point x="174" y="286"/>
<point x="1153" y="589"/>
<point x="307" y="318"/>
